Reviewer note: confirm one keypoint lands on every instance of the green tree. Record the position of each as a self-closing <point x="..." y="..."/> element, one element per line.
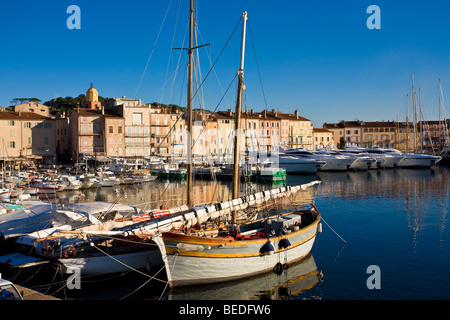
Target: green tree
<point x="341" y="144"/>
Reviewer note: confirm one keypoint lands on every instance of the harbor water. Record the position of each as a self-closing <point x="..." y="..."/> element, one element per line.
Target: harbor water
<point x="384" y="236"/>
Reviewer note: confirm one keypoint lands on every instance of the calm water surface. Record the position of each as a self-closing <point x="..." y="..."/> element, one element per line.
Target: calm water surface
<point x="395" y="219"/>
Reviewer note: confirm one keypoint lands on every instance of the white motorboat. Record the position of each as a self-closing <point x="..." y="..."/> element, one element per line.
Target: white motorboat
<point x="70" y="182"/>
<point x="298" y="165"/>
<point x="332" y="162"/>
<point x="362" y="160"/>
<point x="5" y="193"/>
<point x="106" y="179"/>
<point x="412" y="160"/>
<point x="45" y="187"/>
<point x="386" y="159"/>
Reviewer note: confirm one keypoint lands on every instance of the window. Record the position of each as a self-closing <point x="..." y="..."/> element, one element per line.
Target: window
<point x="27" y="125"/>
<point x="11" y="133"/>
<point x="119" y="129"/>
<point x="10" y="123"/>
<point x="137" y="118"/>
<point x="111" y="140"/>
<point x="111" y="130"/>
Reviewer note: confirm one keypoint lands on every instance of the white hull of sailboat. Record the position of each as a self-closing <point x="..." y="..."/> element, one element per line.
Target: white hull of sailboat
<point x="231" y="261"/>
<point x="104" y="264"/>
<point x="188" y="271"/>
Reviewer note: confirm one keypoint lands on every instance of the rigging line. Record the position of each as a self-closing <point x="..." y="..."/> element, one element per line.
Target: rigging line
<point x="154" y="45"/>
<point x="125" y="265"/>
<point x="333" y="230"/>
<point x="150" y="279"/>
<point x="173" y="41"/>
<point x="257" y="65"/>
<point x="176" y="73"/>
<point x="210" y="63"/>
<point x="218" y="57"/>
<point x="209" y="72"/>
<point x="223" y="96"/>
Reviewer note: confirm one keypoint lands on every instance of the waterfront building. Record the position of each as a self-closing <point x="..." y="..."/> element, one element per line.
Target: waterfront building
<point x="225" y="134"/>
<point x="87" y="134"/>
<point x="62" y="137"/>
<point x="179" y="139"/>
<point x="337" y="131"/>
<point x="382" y="134"/>
<point x="112" y="104"/>
<point x="299" y="131"/>
<point x="33" y="107"/>
<point x="136" y="121"/>
<point x="114" y="135"/>
<point x="322" y="138"/>
<point x="251" y="122"/>
<point x="434" y="135"/>
<point x="160" y="132"/>
<point x="269" y="127"/>
<point x="26" y="138"/>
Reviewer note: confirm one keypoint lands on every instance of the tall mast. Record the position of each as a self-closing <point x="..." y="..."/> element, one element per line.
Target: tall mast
<point x="190" y="198"/>
<point x="440" y="123"/>
<point x="421" y="122"/>
<point x="415" y="115"/>
<point x="407" y="126"/>
<point x="236" y="175"/>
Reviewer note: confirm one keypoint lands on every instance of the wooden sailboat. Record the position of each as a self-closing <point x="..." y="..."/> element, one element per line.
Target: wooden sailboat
<point x="243" y="250"/>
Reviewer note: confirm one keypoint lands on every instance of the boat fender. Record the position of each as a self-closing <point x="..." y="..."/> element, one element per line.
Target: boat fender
<point x="278" y="268"/>
<point x="69" y="252"/>
<point x="284" y="243"/>
<point x="319" y="227"/>
<point x="267" y="249"/>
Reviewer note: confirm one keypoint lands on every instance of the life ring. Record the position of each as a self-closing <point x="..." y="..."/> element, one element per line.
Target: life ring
<point x="69" y="252"/>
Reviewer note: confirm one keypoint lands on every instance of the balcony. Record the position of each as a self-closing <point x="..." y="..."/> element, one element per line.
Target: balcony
<point x="137" y="135"/>
<point x="97" y="133"/>
<point x="159" y="135"/>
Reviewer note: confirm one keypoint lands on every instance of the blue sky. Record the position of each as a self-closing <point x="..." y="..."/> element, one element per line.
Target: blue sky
<point x="317" y="57"/>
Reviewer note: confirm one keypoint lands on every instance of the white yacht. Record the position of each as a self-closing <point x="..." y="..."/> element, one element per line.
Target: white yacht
<point x="70" y="182"/>
<point x="295" y="165"/>
<point x="362" y="161"/>
<point x="412" y="160"/>
<point x="332" y="162"/>
<point x="107" y="178"/>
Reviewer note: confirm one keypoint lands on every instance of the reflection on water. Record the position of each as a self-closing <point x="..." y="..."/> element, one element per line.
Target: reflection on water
<point x="158" y="193"/>
<point x="295" y="280"/>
